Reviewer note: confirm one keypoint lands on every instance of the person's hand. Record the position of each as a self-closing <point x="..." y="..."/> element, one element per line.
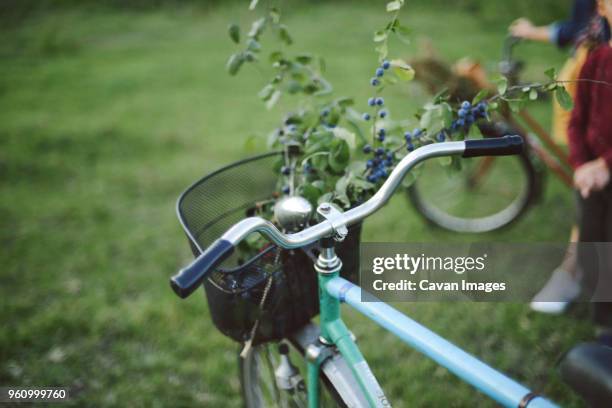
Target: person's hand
<point x="522" y="28"/>
<point x="592" y="176"/>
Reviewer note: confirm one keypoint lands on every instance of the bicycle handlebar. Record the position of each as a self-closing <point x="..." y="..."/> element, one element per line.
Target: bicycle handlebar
<point x="191" y="277"/>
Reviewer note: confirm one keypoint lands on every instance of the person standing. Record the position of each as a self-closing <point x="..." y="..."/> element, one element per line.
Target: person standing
<point x="564" y="284"/>
<point x="590" y="142"/>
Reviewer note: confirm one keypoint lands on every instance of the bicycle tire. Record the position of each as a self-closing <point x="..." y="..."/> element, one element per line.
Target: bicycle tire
<point x="338" y="387"/>
<point x="509" y="214"/>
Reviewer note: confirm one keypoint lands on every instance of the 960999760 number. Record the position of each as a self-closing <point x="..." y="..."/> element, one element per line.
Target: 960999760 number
<point x="47" y="394"/>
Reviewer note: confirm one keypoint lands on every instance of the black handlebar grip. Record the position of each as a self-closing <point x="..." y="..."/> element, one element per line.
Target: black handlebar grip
<point x="191" y="277"/>
<point x="498" y="146"/>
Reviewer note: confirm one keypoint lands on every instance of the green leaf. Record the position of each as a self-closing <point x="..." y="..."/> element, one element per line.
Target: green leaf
<point x="342" y="184"/>
<point x="275" y="15"/>
<point x="346" y="135"/>
<point x="304" y="58"/>
<point x="533" y="94"/>
<point x="319" y="141"/>
<point x="325" y="88"/>
<point x="564" y="98"/>
<point x="283" y="34"/>
<point x="275" y="56"/>
<point x="394" y="5"/>
<point x="253" y="45"/>
<point x="446" y="114"/>
<point x="257" y="28"/>
<point x="273" y="99"/>
<point x="435" y="118"/>
<point x="403" y="33"/>
<point x="266" y="92"/>
<point x="361" y="184"/>
<point x="402" y="70"/>
<point x="502" y="85"/>
<point x="253" y="4"/>
<point x="345" y="102"/>
<point x="551" y="73"/>
<point x="339" y="155"/>
<point x="480" y="96"/>
<point x="234" y="32"/>
<point x="515" y="105"/>
<point x="325" y="198"/>
<point x="249" y="56"/>
<point x="380" y="36"/>
<point x="234" y="63"/>
<point x="311" y="193"/>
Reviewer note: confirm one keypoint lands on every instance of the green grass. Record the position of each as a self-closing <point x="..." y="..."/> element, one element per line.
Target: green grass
<point x="105" y="117"/>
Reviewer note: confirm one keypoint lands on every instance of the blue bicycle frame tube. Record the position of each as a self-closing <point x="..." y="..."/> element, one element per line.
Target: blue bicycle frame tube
<point x="496" y="385"/>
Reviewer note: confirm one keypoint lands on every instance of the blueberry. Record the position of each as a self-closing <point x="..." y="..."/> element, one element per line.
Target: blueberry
<point x="390" y="156"/>
<point x="388" y="163"/>
<point x="366" y="116"/>
<point x="369" y="164"/>
<point x="286" y="190"/>
<point x="410" y="147"/>
<point x="380" y="72"/>
<point x="417" y="132"/>
<point x="469" y="119"/>
<point x="307" y="168"/>
<point x="372" y="101"/>
<point x="441" y="137"/>
<point x="382" y="132"/>
<point x="380" y="151"/>
<point x="374" y="82"/>
<point x="461" y="113"/>
<point x="482" y="106"/>
<point x="466" y="105"/>
<point x="381" y="138"/>
<point x="380" y="101"/>
<point x="383" y="173"/>
<point x="382" y="114"/>
<point x="386" y="64"/>
<point x="372" y="178"/>
<point x="460" y="123"/>
<point x="286" y="170"/>
<point x="367" y="149"/>
<point x="454" y="125"/>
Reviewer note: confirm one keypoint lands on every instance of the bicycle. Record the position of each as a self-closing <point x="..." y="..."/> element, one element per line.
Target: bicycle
<point x="327" y="353"/>
<point x="508" y="187"/>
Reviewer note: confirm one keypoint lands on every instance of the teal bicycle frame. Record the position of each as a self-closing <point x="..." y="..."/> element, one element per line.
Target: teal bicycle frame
<point x="334" y="290"/>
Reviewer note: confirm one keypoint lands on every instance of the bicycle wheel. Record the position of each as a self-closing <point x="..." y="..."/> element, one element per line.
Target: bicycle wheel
<point x="486" y="194"/>
<point x="273" y="375"/>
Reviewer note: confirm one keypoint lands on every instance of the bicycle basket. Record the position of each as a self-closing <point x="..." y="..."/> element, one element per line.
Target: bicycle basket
<point x="268" y="295"/>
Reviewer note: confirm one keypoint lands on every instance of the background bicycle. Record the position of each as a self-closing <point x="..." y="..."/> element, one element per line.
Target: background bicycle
<point x="460" y="200"/>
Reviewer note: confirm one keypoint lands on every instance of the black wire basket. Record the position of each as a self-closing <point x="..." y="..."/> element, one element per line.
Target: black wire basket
<point x="263" y="296"/>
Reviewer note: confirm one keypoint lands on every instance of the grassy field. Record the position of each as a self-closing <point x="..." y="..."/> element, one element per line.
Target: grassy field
<point x="106" y="116"/>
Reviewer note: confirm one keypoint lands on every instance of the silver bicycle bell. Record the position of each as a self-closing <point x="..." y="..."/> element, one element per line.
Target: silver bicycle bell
<point x="293" y="213"/>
